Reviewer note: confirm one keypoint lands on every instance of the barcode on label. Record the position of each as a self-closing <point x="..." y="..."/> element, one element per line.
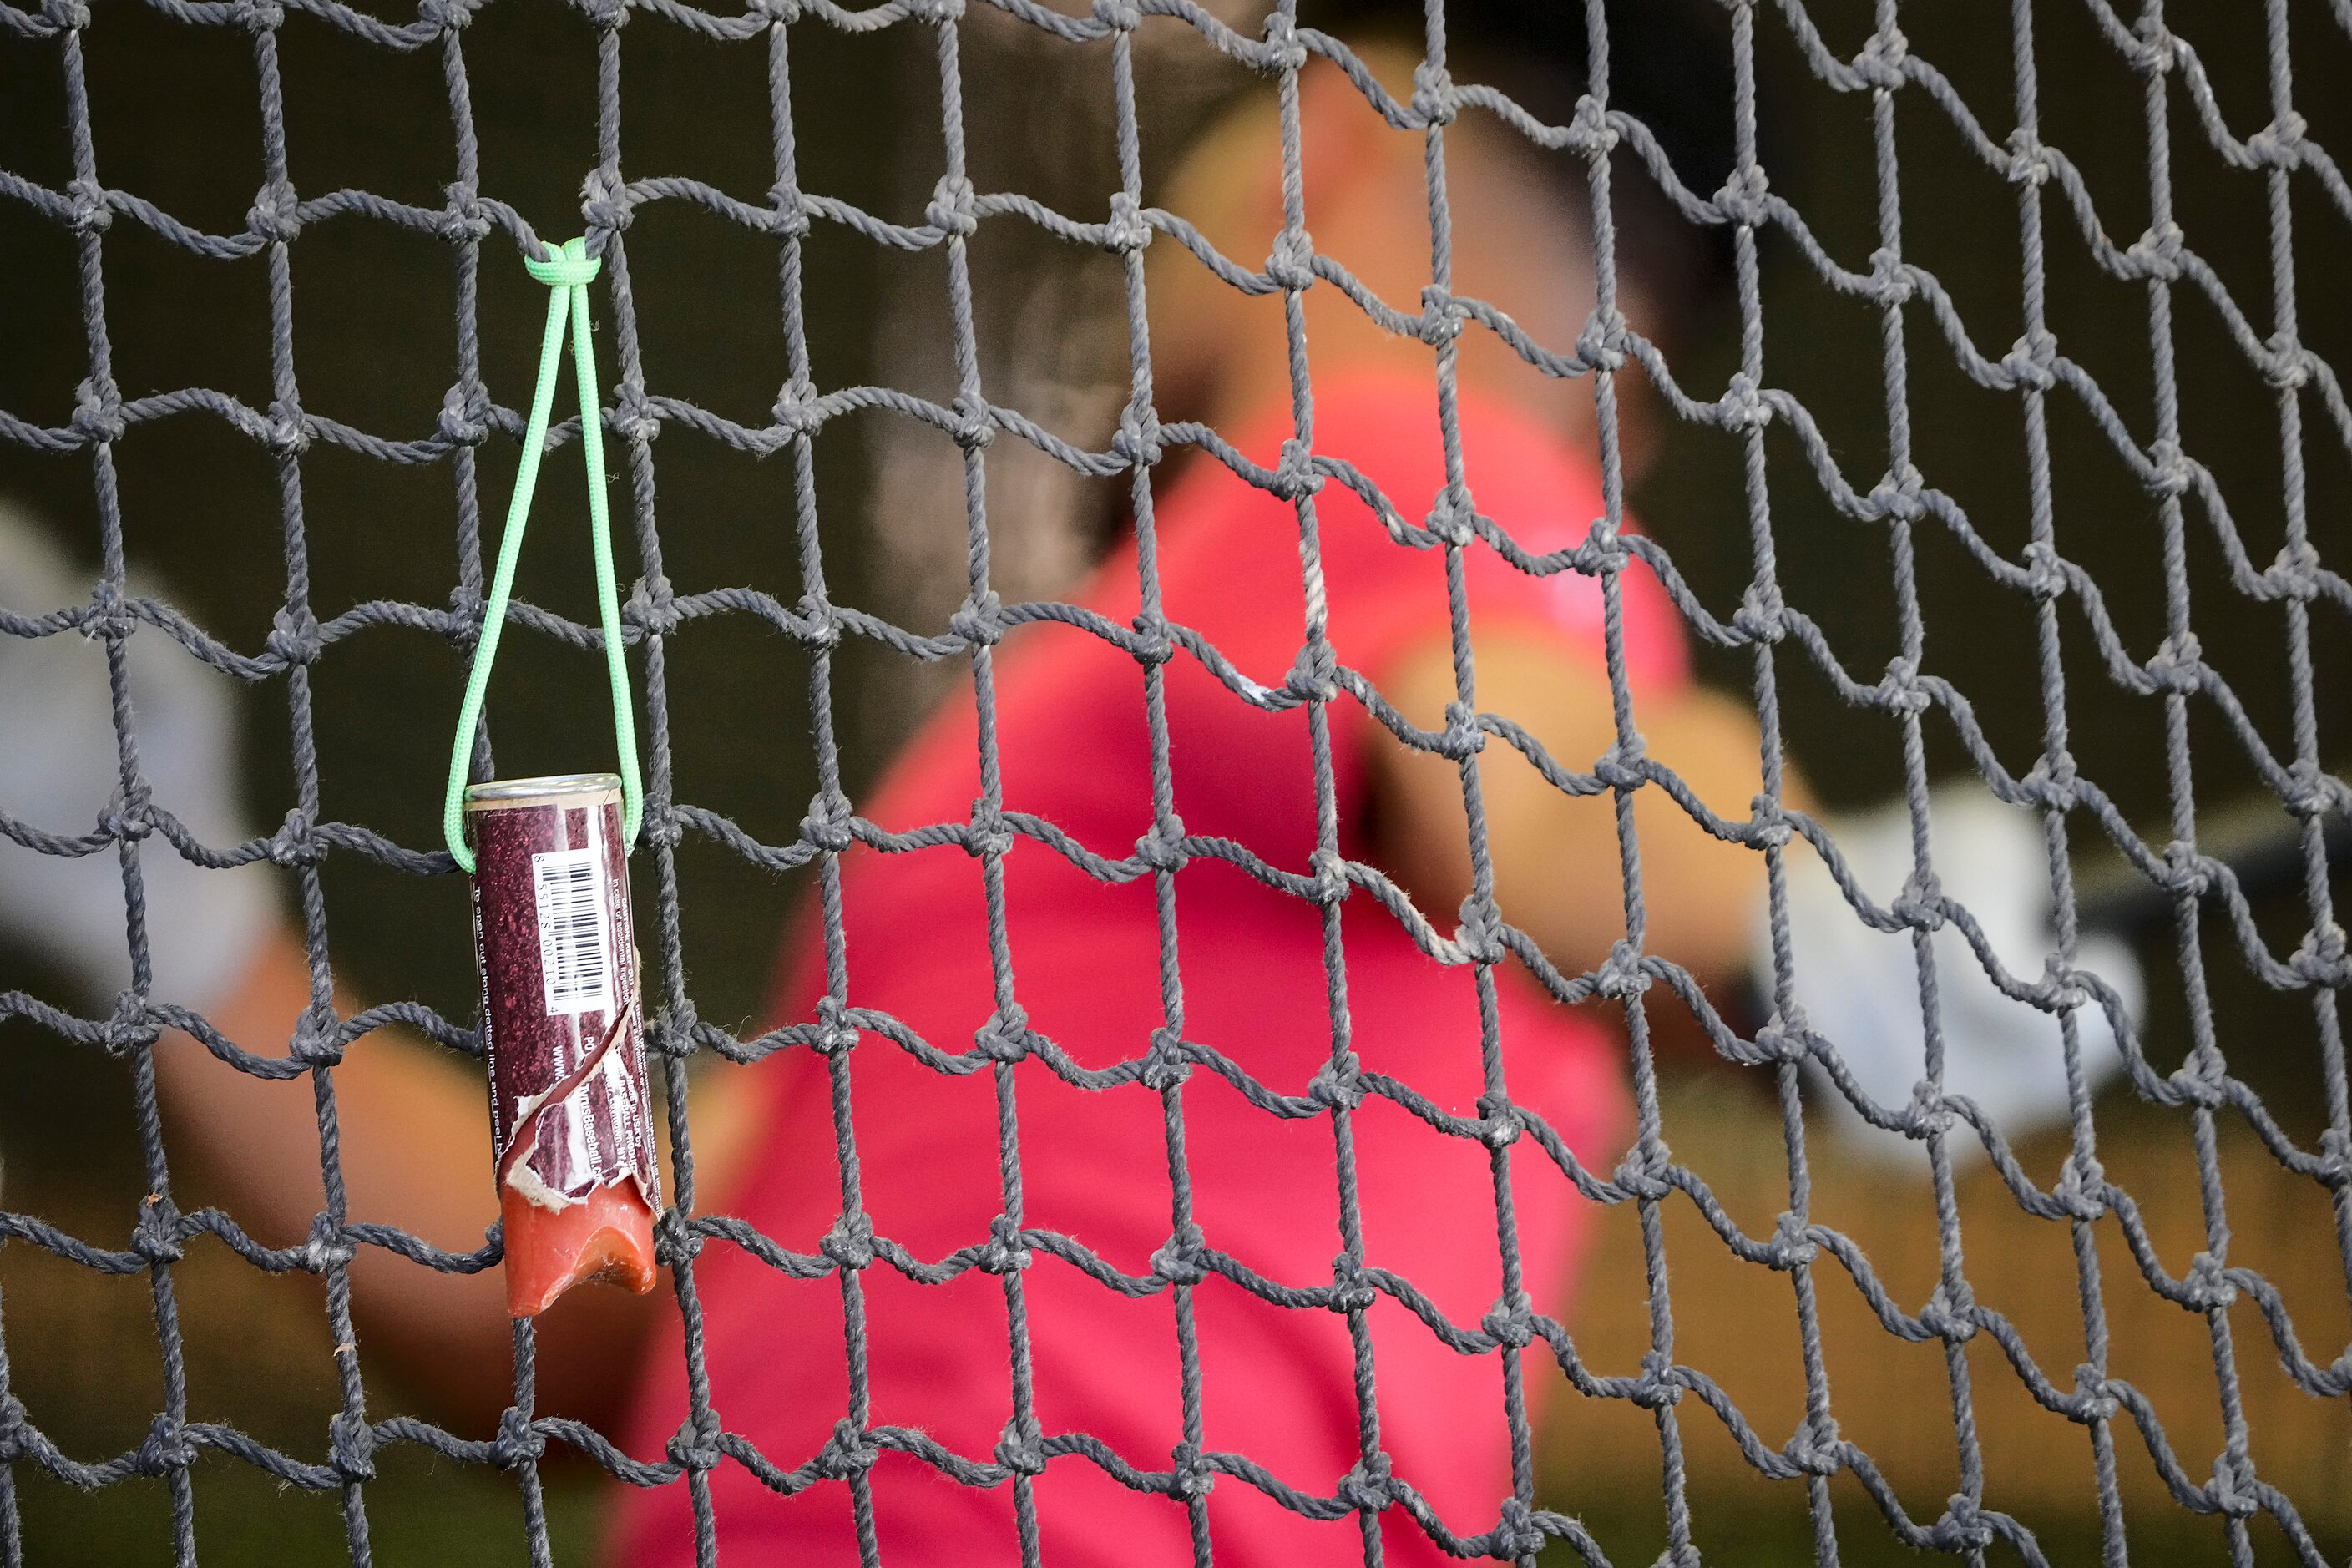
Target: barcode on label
<point x="575" y="943"/>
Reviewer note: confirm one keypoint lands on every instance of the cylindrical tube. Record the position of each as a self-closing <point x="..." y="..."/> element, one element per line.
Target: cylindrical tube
<point x="571" y="1112"/>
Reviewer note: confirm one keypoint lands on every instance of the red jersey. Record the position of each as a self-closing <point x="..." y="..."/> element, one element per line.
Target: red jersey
<point x="1277" y="1383"/>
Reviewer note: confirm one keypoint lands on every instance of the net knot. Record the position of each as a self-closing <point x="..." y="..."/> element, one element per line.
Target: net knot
<point x="1785" y="1036"/>
<point x="694" y="1446"/>
<point x="1963" y="1526"/>
<point x="850" y="1242"/>
<point x="1191" y="1476"/>
<point x="1443" y="316"/>
<point x="1660" y="1383"/>
<point x="826" y="826"/>
<point x="1642" y="1173"/>
<point x="464" y="221"/>
<point x="2032" y="361"/>
<point x="848" y="1454"/>
<point x="65" y="16"/>
<point x="1950" y="1313"/>
<point x="2170" y="472"/>
<point x="351" y="1445"/>
<point x="2319" y="961"/>
<point x="318" y="1039"/>
<point x="2050" y="783"/>
<point x="1162" y="848"/>
<point x="1350" y="1290"/>
<point x="1499" y="1125"/>
<point x="1453" y="516"/>
<point x="1463" y="738"/>
<point x="2178" y="665"/>
<point x="676" y="1240"/>
<point x="1768" y="823"/>
<point x="566" y="267"/>
<point x="465" y="415"/>
<point x="129" y="1028"/>
<point x="791" y="217"/>
<point x="652" y="605"/>
<point x="1433" y="99"/>
<point x="634" y="417"/>
<point x="2294" y="573"/>
<point x="1330" y="868"/>
<point x="2234" y="1491"/>
<point x="835" y="1034"/>
<point x="1899" y="690"/>
<point x="1815" y="1447"/>
<point x="1601" y="343"/>
<point x="2159" y="50"/>
<point x="1006" y="1250"/>
<point x="608" y="16"/>
<point x="2082" y="1188"/>
<point x="780" y="13"/>
<point x="15" y="1440"/>
<point x="257" y="17"/>
<point x="2062" y="989"/>
<point x="1745" y="198"/>
<point x="444" y="17"/>
<point x="1137" y="442"/>
<point x="2155" y="254"/>
<point x="1622" y="765"/>
<point x="952" y="207"/>
<point x="275" y="216"/>
<point x="1179" y="1261"/>
<point x="2335" y="1158"/>
<point x="674" y="1031"/>
<point x="2094" y="1400"/>
<point x="2045" y="572"/>
<point x="975" y="423"/>
<point x="985" y="833"/>
<point x="1898" y="495"/>
<point x="1792" y="1245"/>
<point x="1763" y="613"/>
<point x="1167" y="1064"/>
<point x="2280" y="143"/>
<point x="1743" y="406"/>
<point x="1290" y="264"/>
<point x="1921" y="903"/>
<point x="2287" y="364"/>
<point x="820" y="623"/>
<point x="1477" y="930"/>
<point x="2186" y="870"/>
<point x="1892" y="280"/>
<point x="2201" y="1079"/>
<point x="1624" y="975"/>
<point x="1590" y="130"/>
<point x="939" y="12"/>
<point x="1884" y="55"/>
<point x="1314" y="674"/>
<point x="1517" y="1534"/>
<point x="2029" y="160"/>
<point x="1282" y="49"/>
<point x="157" y="1236"/>
<point x="88" y="211"/>
<point x="294" y="636"/>
<point x="97" y="410"/>
<point x="1021" y="1449"/>
<point x="1928" y="1113"/>
<point x="167" y="1448"/>
<point x="1295" y="475"/>
<point x="127" y="818"/>
<point x="1118" y="15"/>
<point x="1369" y="1485"/>
<point x="1006" y="1037"/>
<point x="1334" y="1086"/>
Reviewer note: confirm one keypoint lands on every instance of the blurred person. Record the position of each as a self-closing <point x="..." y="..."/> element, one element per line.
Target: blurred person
<point x="1276" y="1384"/>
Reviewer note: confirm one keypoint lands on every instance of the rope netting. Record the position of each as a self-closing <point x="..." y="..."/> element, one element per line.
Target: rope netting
<point x="1915" y="316"/>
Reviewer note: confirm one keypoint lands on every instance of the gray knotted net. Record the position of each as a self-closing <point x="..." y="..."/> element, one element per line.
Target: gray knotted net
<point x="1912" y="309"/>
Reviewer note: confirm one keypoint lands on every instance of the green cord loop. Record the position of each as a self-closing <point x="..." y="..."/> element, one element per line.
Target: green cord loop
<point x="567" y="273"/>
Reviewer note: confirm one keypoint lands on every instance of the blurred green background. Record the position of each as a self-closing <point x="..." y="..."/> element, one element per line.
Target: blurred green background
<point x="176" y="121"/>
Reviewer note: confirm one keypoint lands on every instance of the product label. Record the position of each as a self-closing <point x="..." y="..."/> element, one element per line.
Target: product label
<point x="575" y="940"/>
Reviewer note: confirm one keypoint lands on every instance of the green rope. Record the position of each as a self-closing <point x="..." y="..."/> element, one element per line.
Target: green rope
<point x="567" y="274"/>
